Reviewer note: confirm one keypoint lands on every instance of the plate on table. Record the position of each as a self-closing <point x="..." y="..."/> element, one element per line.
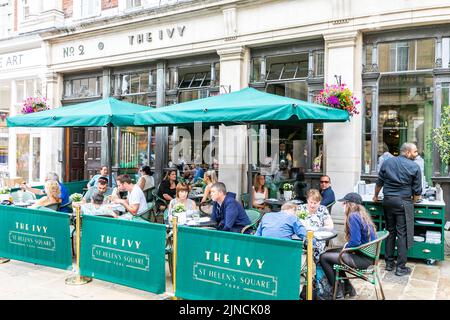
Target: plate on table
<point x="323" y="234"/>
<point x="21" y="204"/>
<point x="425" y="221"/>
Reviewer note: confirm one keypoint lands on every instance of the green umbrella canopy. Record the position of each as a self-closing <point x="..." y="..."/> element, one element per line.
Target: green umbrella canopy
<point x="244" y="106"/>
<point x="98" y="113"/>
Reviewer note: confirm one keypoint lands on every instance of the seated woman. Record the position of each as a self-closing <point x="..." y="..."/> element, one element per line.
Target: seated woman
<point x="167" y="188"/>
<point x="96" y="207"/>
<point x="52" y="192"/>
<point x="260" y="193"/>
<point x="359" y="229"/>
<point x="182" y="192"/>
<point x="210" y="178"/>
<point x="318" y="217"/>
<point x="146" y="180"/>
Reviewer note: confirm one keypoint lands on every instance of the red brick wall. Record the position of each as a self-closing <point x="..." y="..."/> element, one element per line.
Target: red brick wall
<point x="107" y="4"/>
<point x="68" y="8"/>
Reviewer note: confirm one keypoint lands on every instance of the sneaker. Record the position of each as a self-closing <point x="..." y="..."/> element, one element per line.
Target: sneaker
<point x="390" y="266"/>
<point x="403" y="271"/>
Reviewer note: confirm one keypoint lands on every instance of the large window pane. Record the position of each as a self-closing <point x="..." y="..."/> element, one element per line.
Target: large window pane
<point x="425" y="54"/>
<point x="23" y="156"/>
<point x="445" y="99"/>
<point x="367" y="161"/>
<point x="406" y="114"/>
<point x="133" y="153"/>
<point x="36" y="158"/>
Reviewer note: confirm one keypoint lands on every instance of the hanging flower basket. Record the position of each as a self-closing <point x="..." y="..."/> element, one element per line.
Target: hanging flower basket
<point x="340" y="97"/>
<point x="34" y="104"/>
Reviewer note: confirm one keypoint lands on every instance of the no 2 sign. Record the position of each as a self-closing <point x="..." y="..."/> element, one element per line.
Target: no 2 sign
<point x="71" y="51"/>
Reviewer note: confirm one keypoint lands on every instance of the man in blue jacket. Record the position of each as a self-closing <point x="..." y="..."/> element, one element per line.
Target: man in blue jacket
<point x="227" y="211"/>
<point x="326" y="192"/>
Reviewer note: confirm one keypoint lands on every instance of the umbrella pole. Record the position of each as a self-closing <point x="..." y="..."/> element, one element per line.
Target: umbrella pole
<point x="249" y="167"/>
<point x="109" y="129"/>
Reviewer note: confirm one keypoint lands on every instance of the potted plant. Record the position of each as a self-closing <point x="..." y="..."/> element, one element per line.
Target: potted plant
<point x="76" y="198"/>
<point x="302" y="213"/>
<point x="5" y="194"/>
<point x="179" y="210"/>
<point x="287" y="191"/>
<point x="441" y="137"/>
<point x="34" y="104"/>
<point x="338" y="96"/>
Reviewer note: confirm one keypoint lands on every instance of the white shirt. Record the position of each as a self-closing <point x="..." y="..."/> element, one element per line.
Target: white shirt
<point x="136" y="196"/>
<point x="149" y="182"/>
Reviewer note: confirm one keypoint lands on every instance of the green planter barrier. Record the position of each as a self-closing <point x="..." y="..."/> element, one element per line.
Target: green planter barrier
<point x="131" y="253"/>
<point x="216" y="265"/>
<point x="36" y="236"/>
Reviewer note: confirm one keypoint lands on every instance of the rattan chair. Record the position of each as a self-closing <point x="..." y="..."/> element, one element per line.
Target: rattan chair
<point x="254" y="216"/>
<point x="371" y="274"/>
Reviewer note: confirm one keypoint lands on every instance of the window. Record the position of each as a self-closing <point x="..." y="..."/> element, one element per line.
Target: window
<point x="6" y="17"/>
<point x="86" y="8"/>
<point x="31" y="8"/>
<point x="83" y="88"/>
<point x="287" y="67"/>
<point x="134" y="87"/>
<point x="445" y="100"/>
<point x="133" y="153"/>
<point x="406" y="115"/>
<point x="367" y="139"/>
<point x="405" y="55"/>
<point x="133" y="4"/>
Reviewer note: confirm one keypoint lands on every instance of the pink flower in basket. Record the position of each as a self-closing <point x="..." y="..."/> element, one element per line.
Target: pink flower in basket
<point x="34" y="104"/>
<point x="338" y="96"/>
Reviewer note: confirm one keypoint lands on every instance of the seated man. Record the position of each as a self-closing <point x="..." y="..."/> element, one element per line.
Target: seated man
<point x="228" y="213"/>
<point x="135" y="202"/>
<point x="103" y="173"/>
<point x="102" y="188"/>
<point x="283" y="224"/>
<point x="325" y="191"/>
<point x="96" y="208"/>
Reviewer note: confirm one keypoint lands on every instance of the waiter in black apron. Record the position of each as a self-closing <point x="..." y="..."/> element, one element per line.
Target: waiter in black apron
<point x="401" y="180"/>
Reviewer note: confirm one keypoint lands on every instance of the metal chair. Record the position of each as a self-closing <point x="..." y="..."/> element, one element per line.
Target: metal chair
<point x="23" y="196"/>
<point x="330" y="206"/>
<point x="245" y="199"/>
<point x="254" y="216"/>
<point x="149" y="194"/>
<point x="371" y="274"/>
<point x="206" y="207"/>
<point x="159" y="202"/>
<point x="67" y="205"/>
<point x="146" y="214"/>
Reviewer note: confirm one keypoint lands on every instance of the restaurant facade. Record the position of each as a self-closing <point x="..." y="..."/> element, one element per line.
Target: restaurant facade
<point x="395" y="57"/>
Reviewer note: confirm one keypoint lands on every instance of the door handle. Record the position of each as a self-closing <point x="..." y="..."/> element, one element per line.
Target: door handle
<point x="426" y="251"/>
<point x="435" y="212"/>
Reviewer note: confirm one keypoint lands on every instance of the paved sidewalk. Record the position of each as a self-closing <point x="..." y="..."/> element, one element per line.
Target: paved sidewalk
<point x="27" y="281"/>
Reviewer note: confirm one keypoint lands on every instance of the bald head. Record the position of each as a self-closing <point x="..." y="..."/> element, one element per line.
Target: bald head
<point x="409" y="150"/>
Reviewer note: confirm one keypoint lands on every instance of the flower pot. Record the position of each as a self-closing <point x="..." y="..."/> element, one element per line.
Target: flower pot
<point x="181" y="217"/>
<point x="287" y="195"/>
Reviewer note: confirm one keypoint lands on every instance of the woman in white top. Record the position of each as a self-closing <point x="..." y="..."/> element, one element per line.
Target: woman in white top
<point x="260" y="192"/>
<point x="146" y="180"/>
<point x="182" y="193"/>
<point x="210" y="178"/>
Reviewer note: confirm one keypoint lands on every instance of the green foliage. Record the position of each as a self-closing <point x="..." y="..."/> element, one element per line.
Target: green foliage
<point x="288" y="187"/>
<point x="5" y="190"/>
<point x="302" y="214"/>
<point x="179" y="207"/>
<point x="441" y="136"/>
<point x="76" y="197"/>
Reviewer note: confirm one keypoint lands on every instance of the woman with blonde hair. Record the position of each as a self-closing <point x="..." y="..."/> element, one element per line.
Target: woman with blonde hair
<point x="260" y="192"/>
<point x="53" y="193"/>
<point x="210" y="178"/>
<point x="318" y="217"/>
<point x="359" y="229"/>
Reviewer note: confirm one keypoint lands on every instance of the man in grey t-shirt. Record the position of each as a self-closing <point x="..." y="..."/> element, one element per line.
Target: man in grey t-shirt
<point x="135" y="202"/>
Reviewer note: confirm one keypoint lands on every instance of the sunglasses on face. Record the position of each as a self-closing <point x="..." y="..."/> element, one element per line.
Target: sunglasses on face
<point x="324" y="181"/>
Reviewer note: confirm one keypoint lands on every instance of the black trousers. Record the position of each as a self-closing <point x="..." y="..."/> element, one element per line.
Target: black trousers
<point x="394" y="212"/>
<point x="331" y="257"/>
